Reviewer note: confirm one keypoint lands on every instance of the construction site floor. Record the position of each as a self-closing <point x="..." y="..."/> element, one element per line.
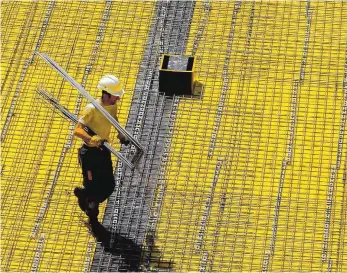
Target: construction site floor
<point x="249" y="175"/>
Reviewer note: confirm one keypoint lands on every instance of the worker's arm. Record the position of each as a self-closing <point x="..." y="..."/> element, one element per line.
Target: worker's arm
<point x="81" y="133"/>
<point x="95" y="140"/>
<point x="123" y="139"/>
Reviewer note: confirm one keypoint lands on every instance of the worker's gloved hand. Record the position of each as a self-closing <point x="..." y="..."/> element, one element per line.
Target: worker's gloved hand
<point x="125" y="142"/>
<point x="123" y="139"/>
<point x="96" y="141"/>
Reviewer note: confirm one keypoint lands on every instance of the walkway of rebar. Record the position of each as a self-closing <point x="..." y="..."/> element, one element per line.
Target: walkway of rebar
<point x="251" y="176"/>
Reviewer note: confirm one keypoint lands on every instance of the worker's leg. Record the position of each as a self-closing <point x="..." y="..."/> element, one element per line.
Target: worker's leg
<point x="82" y="201"/>
<point x="92" y="211"/>
<point x="102" y="183"/>
<point x="105" y="177"/>
<point x="88" y="159"/>
<point x="98" y="180"/>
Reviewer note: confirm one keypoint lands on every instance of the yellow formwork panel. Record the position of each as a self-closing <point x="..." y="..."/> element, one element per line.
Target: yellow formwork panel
<point x="228" y="226"/>
<point x="20" y="24"/>
<point x="42" y="227"/>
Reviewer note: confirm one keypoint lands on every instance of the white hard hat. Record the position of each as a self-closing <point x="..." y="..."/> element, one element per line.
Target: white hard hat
<point x="111" y="85"/>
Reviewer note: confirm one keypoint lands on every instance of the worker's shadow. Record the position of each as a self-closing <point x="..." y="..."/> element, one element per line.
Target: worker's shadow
<point x="132" y="257"/>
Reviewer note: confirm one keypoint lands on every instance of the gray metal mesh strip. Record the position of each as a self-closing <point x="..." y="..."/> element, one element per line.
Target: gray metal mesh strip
<point x="128" y="209"/>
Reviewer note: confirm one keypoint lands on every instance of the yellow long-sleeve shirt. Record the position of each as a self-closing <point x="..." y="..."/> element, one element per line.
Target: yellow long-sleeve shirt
<point x="96" y="121"/>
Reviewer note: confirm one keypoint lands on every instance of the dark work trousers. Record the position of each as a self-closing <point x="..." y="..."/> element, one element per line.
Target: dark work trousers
<point x="98" y="179"/>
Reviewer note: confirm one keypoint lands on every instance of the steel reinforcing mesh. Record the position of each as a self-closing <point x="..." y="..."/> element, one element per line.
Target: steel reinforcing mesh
<point x="249" y="176"/>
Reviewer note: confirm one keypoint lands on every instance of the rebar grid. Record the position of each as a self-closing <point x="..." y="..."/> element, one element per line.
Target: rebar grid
<point x="268" y="131"/>
<point x="43" y="230"/>
<point x="249" y="177"/>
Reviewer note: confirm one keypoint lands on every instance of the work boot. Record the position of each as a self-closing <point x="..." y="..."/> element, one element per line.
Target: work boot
<point x="79" y="192"/>
<point x="92" y="209"/>
<point x="82" y="199"/>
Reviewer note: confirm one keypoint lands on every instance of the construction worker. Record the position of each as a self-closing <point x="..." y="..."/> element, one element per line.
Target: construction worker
<point x="94" y="158"/>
